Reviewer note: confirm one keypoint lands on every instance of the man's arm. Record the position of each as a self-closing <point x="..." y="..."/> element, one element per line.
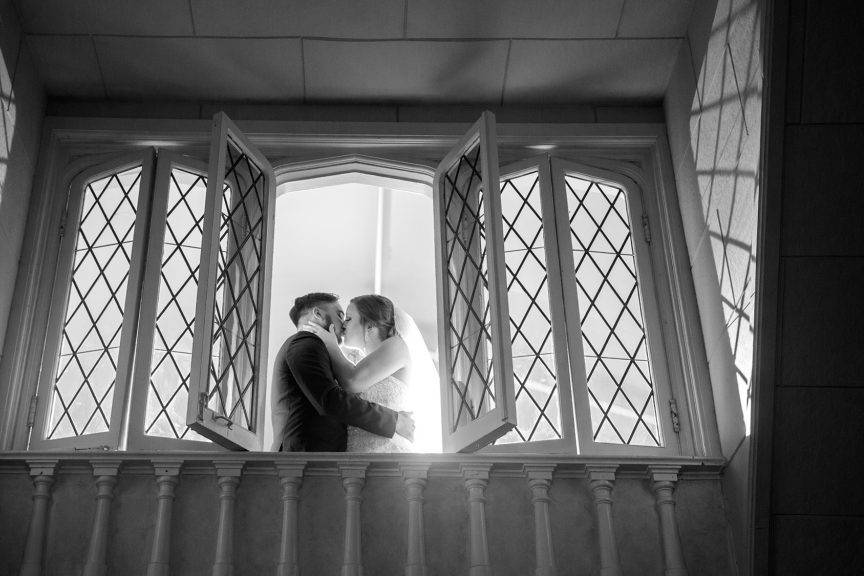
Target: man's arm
<point x="310" y="365"/>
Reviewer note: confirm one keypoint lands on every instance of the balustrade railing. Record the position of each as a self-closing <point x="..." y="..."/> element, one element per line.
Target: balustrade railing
<point x="552" y="515"/>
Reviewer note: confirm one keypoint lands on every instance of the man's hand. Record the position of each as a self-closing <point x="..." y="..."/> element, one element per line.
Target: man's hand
<point x="405" y="425"/>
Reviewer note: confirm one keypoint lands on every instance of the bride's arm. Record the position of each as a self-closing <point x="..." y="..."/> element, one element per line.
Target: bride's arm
<point x="385" y="360"/>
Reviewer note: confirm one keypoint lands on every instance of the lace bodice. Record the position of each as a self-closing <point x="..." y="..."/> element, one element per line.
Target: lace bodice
<point x="393" y="393"/>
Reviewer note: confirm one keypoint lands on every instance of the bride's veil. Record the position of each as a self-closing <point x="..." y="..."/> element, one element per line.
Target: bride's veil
<point x="423" y="385"/>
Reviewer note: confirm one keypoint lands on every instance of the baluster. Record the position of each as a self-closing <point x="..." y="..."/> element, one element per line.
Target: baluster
<point x="290" y="476"/>
<point x="414" y="476"/>
<point x="105" y="472"/>
<point x="353" y="480"/>
<point x="228" y="477"/>
<point x="540" y="479"/>
<point x="476" y="478"/>
<point x="602" y="480"/>
<point x="42" y="472"/>
<point x="663" y="479"/>
<point x="167" y="476"/>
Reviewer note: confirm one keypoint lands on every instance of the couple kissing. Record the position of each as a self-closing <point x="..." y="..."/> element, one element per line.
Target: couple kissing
<point x="324" y="402"/>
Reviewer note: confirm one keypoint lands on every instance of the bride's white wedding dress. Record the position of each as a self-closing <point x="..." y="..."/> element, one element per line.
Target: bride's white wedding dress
<point x="393" y="393"/>
<point x="407" y="395"/>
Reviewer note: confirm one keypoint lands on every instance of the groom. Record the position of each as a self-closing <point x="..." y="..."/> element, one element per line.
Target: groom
<point x="311" y="411"/>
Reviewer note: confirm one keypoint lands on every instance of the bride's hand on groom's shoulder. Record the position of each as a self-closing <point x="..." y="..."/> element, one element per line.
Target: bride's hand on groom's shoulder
<point x="328" y="336"/>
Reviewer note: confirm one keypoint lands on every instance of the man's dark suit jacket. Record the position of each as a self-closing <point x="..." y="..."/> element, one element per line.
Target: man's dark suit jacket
<point x="317" y="408"/>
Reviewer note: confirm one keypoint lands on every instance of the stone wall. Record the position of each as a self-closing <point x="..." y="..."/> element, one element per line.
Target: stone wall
<point x="713" y="111"/>
<point x="810" y="505"/>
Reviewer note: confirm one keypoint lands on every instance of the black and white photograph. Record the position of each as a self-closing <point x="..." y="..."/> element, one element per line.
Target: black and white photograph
<point x="431" y="287"/>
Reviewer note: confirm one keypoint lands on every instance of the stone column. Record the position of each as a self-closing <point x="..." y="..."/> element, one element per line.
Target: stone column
<point x="290" y="477"/>
<point x="663" y="479"/>
<point x="602" y="480"/>
<point x="167" y="476"/>
<point x="353" y="480"/>
<point x="42" y="472"/>
<point x="415" y="476"/>
<point x="105" y="472"/>
<point x="540" y="479"/>
<point x="228" y="477"/>
<point x="476" y="478"/>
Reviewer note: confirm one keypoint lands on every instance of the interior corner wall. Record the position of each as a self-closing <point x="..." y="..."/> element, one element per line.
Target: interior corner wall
<point x="23" y="101"/>
<point x="713" y="114"/>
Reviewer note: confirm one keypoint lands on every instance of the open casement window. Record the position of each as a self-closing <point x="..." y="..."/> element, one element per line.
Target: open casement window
<point x="616" y="347"/>
<point x="477" y="395"/>
<point x="87" y="359"/>
<point x="229" y="348"/>
<point x="549" y="330"/>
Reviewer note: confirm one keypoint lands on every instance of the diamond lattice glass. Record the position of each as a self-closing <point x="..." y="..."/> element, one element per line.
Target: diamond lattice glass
<point x="236" y="322"/>
<point x="468" y="329"/>
<point x="170" y="364"/>
<point x="537" y="398"/>
<point x="84" y="383"/>
<point x="618" y="369"/>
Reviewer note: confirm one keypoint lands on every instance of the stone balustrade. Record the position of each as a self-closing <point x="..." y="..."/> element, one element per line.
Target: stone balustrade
<point x="352" y="514"/>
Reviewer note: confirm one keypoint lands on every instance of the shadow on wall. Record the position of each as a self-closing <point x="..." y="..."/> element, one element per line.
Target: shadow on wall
<point x="725" y="128"/>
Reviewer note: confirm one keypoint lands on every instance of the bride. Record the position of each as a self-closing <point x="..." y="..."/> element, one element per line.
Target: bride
<point x="394" y="370"/>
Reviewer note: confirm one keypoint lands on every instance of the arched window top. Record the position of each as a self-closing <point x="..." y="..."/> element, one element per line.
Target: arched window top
<point x="355" y="169"/>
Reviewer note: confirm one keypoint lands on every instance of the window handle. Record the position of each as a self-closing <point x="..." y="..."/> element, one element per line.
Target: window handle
<point x="223" y="420"/>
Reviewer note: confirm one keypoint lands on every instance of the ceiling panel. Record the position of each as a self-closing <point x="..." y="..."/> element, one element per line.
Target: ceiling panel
<point x="67" y="65"/>
<point x="513" y="18"/>
<point x="328" y="18"/>
<point x="199" y="68"/>
<point x="568" y="71"/>
<point x="655" y="19"/>
<point x="405" y="71"/>
<point x="143" y="17"/>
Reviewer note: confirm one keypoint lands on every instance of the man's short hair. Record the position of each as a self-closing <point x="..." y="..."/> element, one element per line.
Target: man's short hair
<point x="309" y="301"/>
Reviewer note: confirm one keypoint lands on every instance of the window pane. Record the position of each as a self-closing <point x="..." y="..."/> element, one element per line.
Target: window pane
<point x="83" y="392"/>
<point x="537" y="405"/>
<point x="469" y="324"/>
<point x="620" y="386"/>
<point x="236" y="322"/>
<point x="170" y="366"/>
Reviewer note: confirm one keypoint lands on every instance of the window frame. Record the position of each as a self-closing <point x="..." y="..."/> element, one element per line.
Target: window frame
<point x="137" y="439"/>
<point x="639" y="151"/>
<point x="199" y="416"/>
<point x="646" y="284"/>
<point x="58" y="303"/>
<point x="502" y="417"/>
<point x="568" y="443"/>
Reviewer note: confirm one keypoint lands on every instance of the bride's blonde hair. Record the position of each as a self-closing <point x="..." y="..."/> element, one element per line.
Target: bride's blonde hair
<point x="378" y="311"/>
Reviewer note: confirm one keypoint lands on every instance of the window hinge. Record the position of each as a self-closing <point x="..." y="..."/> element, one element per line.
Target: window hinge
<point x="202" y="404"/>
<point x="61" y="231"/>
<point x="673" y="409"/>
<point x="646" y="228"/>
<point x="31" y="412"/>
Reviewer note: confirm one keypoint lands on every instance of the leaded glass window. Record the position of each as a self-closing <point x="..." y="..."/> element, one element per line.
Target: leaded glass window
<point x="617" y="359"/>
<point x="83" y="391"/>
<point x="170" y="364"/>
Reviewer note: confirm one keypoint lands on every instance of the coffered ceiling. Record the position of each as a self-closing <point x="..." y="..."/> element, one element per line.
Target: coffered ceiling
<point x="500" y="52"/>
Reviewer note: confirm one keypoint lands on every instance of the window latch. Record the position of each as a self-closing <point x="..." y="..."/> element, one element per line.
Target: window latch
<point x="224" y="420"/>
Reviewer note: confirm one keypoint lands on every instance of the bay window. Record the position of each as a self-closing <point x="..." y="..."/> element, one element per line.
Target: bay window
<point x="558" y="330"/>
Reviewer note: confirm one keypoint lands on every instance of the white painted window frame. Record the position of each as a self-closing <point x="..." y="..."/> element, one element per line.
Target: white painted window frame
<point x="638" y="151"/>
<point x="61" y="287"/>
